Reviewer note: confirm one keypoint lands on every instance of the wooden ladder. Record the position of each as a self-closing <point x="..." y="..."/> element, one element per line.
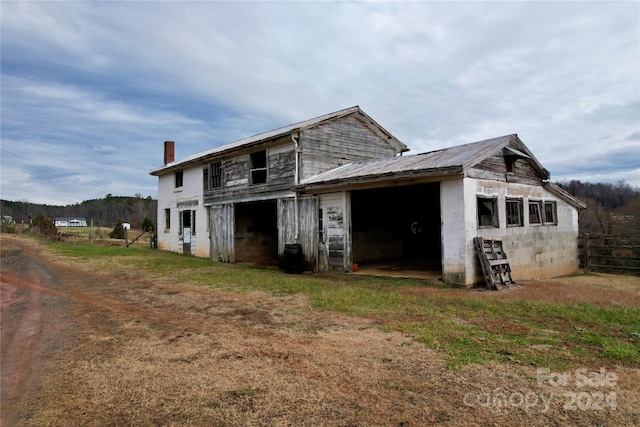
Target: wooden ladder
<point x="494" y="263"/>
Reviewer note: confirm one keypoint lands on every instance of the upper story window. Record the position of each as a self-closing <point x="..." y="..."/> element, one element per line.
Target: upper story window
<point x="487" y="212"/>
<point x="212" y="176"/>
<point x="178" y="178"/>
<point x="258" y="168"/>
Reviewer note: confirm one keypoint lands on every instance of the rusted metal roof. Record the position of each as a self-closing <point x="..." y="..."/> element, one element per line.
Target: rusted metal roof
<point x="274" y="134"/>
<point x="440" y="162"/>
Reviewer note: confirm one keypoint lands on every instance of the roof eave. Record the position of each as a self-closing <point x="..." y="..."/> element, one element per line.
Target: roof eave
<point x="564" y="195"/>
<point x="395" y="178"/>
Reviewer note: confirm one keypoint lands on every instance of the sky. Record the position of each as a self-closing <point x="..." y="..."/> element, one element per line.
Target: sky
<point x="91" y="90"/>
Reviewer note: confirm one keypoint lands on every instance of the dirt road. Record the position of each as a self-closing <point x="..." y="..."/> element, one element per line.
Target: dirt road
<point x="93" y="348"/>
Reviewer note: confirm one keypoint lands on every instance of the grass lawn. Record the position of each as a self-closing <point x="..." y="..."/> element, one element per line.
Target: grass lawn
<point x="587" y="320"/>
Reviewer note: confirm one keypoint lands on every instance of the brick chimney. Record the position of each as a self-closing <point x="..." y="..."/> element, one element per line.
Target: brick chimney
<point x="169" y="152"/>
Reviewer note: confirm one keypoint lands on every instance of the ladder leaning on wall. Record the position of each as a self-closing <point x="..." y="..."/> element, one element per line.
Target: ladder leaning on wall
<point x="494" y="263"/>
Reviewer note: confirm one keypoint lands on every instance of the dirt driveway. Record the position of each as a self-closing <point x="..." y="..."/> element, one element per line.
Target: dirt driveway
<point x="91" y="348"/>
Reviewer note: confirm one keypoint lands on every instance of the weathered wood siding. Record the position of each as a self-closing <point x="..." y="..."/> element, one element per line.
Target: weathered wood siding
<point x="495" y="168"/>
<point x="222" y="228"/>
<point x="235" y="173"/>
<point x="336" y="249"/>
<point x="339" y="142"/>
<point x="307" y="227"/>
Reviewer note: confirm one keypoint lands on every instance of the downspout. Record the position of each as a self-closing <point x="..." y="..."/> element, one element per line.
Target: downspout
<point x="296" y="181"/>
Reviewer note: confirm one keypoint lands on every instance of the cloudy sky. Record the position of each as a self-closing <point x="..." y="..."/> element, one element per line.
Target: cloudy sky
<point x="90" y="90"/>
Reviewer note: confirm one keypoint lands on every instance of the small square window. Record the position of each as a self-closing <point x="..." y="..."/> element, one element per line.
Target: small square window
<point x="514" y="213"/>
<point x="216" y="175"/>
<point x="550" y="210"/>
<point x="212" y="176"/>
<point x="258" y="167"/>
<point x="535" y="215"/>
<point x="487" y="212"/>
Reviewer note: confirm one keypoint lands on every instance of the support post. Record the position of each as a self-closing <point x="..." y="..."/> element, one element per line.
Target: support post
<point x="587" y="253"/>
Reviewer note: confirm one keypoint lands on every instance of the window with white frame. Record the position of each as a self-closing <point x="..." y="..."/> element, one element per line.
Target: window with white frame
<point x="487" y="212"/>
<point x="515" y="215"/>
<point x="535" y="212"/>
<point x="550" y="212"/>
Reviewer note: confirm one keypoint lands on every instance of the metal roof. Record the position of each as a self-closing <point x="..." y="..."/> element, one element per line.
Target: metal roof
<point x="274" y="134"/>
<point x="445" y="161"/>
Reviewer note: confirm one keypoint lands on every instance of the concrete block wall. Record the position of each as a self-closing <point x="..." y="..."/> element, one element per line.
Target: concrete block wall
<point x="454" y="226"/>
<point x="534" y="251"/>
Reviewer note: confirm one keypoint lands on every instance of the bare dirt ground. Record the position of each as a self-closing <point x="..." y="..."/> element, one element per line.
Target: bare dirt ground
<point x="91" y="348"/>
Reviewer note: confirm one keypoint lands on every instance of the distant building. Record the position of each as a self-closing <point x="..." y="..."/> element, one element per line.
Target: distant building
<point x="70" y="222"/>
<point x="7" y="219"/>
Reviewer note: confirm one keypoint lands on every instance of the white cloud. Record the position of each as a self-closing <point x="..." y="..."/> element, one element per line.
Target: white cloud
<point x="105" y="78"/>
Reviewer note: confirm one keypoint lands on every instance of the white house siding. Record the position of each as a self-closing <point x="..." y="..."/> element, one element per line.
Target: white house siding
<point x="534" y="251"/>
<point x="187" y="197"/>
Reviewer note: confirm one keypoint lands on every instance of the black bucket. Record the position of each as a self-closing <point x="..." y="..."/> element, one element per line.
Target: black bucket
<point x="293" y="259"/>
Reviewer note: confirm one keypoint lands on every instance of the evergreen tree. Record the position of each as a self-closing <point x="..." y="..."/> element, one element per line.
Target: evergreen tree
<point x="118" y="231"/>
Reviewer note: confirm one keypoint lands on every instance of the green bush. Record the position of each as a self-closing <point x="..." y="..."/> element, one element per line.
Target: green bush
<point x="118" y="231"/>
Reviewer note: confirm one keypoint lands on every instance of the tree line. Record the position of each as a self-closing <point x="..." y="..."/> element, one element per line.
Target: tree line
<point x="612" y="208"/>
<point x="106" y="212"/>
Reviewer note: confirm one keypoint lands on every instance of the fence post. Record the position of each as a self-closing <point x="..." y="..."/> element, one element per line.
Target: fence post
<point x="587" y="253"/>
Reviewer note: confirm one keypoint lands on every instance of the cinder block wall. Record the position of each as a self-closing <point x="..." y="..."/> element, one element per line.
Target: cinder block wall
<point x="534" y="251"/>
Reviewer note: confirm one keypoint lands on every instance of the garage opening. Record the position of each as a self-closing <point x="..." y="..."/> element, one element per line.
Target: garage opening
<point x="397" y="229"/>
<point x="256" y="233"/>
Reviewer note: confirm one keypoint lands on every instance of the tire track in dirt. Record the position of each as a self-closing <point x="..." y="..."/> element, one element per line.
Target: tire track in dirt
<point x="28" y="326"/>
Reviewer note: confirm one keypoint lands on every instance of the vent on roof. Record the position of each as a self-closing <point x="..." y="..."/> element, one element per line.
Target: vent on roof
<point x="510" y="157"/>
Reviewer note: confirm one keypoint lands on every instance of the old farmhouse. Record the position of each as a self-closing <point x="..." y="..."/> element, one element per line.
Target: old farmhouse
<point x="340" y="187"/>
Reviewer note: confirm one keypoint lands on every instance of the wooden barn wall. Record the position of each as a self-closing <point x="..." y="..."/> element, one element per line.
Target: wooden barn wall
<point x="340" y="142"/>
<point x="495" y="168"/>
<point x="235" y="170"/>
<point x="222" y="223"/>
<point x="308" y="227"/>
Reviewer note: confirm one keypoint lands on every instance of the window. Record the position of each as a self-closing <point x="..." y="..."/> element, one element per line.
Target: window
<point x="535" y="216"/>
<point x="320" y="226"/>
<point x="167" y="219"/>
<point x="487" y="212"/>
<point x="216" y="175"/>
<point x="514" y="213"/>
<point x="510" y="163"/>
<point x="205" y="178"/>
<point x="212" y="176"/>
<point x="178" y="179"/>
<point x="193" y="223"/>
<point x="550" y="213"/>
<point x="258" y="165"/>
